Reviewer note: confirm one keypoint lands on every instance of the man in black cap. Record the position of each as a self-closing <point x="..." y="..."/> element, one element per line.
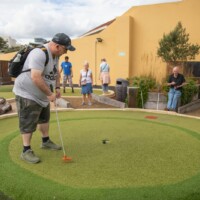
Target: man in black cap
<point x="34" y="91"/>
<point x="64" y="40"/>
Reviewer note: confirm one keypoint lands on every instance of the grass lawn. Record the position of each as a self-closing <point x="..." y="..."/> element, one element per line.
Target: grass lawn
<point x="6" y="92"/>
<point x="146" y="159"/>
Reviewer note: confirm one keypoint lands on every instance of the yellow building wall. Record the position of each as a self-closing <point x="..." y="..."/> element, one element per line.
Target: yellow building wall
<point x="7" y="56"/>
<point x="150" y="23"/>
<point x="130" y="43"/>
<point x="115" y="47"/>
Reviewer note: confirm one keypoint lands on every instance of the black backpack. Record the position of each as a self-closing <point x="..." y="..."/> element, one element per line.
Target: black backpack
<point x="17" y="62"/>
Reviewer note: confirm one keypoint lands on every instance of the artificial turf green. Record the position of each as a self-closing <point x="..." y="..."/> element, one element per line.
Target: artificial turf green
<point x="157" y="159"/>
<point x="138" y="157"/>
<point x="6" y="91"/>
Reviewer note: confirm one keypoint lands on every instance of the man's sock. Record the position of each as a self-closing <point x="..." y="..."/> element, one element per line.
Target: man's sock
<point x="26" y="148"/>
<point x="45" y="139"/>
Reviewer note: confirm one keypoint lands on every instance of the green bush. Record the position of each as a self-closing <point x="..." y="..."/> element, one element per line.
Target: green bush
<point x="145" y="84"/>
<point x="188" y="92"/>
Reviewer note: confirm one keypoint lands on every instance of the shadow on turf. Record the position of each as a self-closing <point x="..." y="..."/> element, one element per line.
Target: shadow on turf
<point x="4" y="197"/>
<point x="192" y="196"/>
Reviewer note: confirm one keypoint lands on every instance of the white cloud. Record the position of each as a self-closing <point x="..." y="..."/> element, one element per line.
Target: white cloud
<point x="43" y="18"/>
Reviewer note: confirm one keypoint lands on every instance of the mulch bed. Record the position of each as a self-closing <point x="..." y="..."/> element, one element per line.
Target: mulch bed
<point x="75" y="102"/>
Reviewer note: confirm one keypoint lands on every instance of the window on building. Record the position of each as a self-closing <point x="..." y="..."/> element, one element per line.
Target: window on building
<point x="191" y="69"/>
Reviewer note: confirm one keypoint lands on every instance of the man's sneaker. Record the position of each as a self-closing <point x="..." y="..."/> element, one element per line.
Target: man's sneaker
<point x="50" y="145"/>
<point x="29" y="156"/>
<point x="89" y="103"/>
<point x="83" y="103"/>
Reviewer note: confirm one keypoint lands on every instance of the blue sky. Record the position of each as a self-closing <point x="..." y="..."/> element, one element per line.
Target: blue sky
<point x="26" y="19"/>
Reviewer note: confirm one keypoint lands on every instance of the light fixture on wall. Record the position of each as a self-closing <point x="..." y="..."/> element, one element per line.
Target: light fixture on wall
<point x="99" y="39"/>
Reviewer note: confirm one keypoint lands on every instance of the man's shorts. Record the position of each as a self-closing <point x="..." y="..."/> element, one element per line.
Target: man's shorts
<point x="30" y="114"/>
<point x="67" y="78"/>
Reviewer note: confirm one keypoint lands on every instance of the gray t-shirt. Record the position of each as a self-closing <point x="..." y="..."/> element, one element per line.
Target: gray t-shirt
<point x="24" y="85"/>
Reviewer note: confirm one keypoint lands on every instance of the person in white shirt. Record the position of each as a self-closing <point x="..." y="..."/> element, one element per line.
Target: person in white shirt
<point x="86" y="83"/>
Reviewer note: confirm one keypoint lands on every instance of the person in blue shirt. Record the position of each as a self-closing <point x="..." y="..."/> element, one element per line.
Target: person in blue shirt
<point x="66" y="67"/>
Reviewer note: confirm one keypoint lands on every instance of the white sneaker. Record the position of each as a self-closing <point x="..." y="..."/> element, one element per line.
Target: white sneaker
<point x="89" y="103"/>
<point x="83" y="103"/>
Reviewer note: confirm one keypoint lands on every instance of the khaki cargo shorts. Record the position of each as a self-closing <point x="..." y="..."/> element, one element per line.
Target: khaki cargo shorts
<point x="30" y="114"/>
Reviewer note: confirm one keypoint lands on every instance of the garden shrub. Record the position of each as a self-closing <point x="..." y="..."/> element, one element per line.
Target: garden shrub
<point x="188" y="92"/>
<point x="145" y="84"/>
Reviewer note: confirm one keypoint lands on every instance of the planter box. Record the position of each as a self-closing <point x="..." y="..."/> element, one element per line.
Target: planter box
<point x="157" y="101"/>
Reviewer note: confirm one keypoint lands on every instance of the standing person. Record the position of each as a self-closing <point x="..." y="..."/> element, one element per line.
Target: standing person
<point x="176" y="81"/>
<point x="33" y="90"/>
<point x="86" y="82"/>
<point x="104" y="75"/>
<point x="66" y="67"/>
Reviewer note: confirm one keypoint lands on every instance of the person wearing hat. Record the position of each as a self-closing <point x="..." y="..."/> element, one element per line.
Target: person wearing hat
<point x="35" y="89"/>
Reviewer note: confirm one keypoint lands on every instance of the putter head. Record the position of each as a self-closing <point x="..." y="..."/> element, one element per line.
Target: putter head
<point x="66" y="158"/>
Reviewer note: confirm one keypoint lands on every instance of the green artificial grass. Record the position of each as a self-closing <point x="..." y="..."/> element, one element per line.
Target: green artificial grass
<point x="145" y="159"/>
<point x="6" y="92"/>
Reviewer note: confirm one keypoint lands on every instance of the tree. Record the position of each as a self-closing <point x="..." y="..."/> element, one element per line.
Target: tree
<point x="3" y="44"/>
<point x="174" y="48"/>
<point x="5" y="49"/>
<point x="13" y="49"/>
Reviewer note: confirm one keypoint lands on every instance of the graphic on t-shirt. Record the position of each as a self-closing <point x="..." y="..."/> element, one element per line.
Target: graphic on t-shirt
<point x="52" y="75"/>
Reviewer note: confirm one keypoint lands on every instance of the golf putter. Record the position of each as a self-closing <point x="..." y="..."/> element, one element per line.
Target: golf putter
<point x="65" y="157"/>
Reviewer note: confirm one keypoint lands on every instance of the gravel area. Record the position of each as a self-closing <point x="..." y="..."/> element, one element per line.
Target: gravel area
<point x="75" y="102"/>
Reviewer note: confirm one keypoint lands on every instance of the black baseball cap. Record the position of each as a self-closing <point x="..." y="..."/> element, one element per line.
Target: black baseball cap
<point x="63" y="39"/>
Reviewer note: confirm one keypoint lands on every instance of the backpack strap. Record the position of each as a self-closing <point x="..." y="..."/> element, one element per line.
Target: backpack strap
<point x="44" y="49"/>
<point x="104" y="67"/>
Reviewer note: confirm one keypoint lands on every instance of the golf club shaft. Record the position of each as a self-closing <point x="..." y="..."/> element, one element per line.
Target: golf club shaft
<point x="59" y="129"/>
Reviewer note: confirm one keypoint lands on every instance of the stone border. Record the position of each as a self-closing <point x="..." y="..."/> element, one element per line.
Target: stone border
<point x="111" y="109"/>
<point x="156" y="100"/>
<point x="107" y="100"/>
<point x="194" y="105"/>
